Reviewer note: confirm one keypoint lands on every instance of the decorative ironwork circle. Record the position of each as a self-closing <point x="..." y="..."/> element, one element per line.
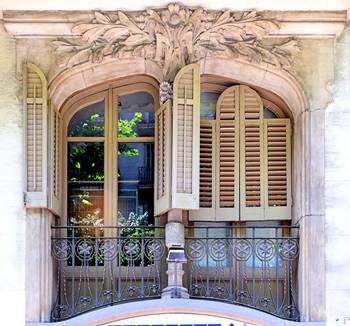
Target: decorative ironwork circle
<point x="61" y="249"/>
<point x="289" y="249"/>
<point x="108" y="249"/>
<point x="242" y="249"/>
<point x="84" y="249"/>
<point x="195" y="249"/>
<point x="265" y="249"/>
<point x="154" y="249"/>
<point x="131" y="249"/>
<point x="218" y="249"/>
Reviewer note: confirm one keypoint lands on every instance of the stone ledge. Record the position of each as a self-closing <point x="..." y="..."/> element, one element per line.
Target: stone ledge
<point x="186" y="306"/>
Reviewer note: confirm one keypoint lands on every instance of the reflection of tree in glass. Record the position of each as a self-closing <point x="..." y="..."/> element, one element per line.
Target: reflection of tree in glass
<point x="86" y="159"/>
<point x="90" y="127"/>
<point x="128" y="128"/>
<point x="86" y="162"/>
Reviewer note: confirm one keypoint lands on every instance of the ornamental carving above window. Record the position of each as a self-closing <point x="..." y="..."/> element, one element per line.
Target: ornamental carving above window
<point x="175" y="36"/>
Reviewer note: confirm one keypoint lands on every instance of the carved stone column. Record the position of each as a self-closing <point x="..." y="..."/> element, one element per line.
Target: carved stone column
<point x="175" y="241"/>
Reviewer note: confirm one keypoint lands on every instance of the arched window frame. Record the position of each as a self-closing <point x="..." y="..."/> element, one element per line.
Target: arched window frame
<point x="109" y="93"/>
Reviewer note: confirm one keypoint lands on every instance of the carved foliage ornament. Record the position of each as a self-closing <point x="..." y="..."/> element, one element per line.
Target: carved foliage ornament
<point x="176" y="36"/>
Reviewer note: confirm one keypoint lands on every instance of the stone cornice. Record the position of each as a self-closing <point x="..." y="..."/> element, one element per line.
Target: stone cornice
<point x="50" y="24"/>
<point x="175" y="35"/>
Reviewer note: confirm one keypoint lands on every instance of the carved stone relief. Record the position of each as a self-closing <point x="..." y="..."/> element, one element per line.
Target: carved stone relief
<point x="176" y="36"/>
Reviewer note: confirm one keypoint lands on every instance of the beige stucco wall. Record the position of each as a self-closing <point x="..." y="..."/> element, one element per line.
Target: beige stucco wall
<point x="337" y="182"/>
<point x="12" y="219"/>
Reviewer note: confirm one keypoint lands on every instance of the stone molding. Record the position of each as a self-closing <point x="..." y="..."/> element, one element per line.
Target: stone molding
<point x="176" y="36"/>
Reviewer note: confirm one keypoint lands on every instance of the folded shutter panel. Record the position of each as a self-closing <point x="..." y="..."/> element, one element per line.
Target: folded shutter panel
<point x="55" y="161"/>
<point x="251" y="159"/>
<point x="227" y="119"/>
<point x="163" y="159"/>
<point x="35" y="111"/>
<point x="185" y="159"/>
<point x="277" y="166"/>
<point x="206" y="211"/>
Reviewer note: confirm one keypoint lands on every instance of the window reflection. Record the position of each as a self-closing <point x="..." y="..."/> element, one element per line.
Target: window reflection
<point x="88" y="122"/>
<point x="136" y="115"/>
<point x="208" y="105"/>
<point x="85" y="184"/>
<point x="135" y="183"/>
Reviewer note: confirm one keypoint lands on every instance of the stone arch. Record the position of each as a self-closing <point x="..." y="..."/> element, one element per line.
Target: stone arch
<point x="80" y="77"/>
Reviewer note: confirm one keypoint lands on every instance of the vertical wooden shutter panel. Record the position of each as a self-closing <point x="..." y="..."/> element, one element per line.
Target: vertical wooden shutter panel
<point x="252" y="165"/>
<point x="163" y="159"/>
<point x="35" y="103"/>
<point x="227" y="112"/>
<point x="277" y="147"/>
<point x="186" y="115"/>
<point x="206" y="209"/>
<point x="251" y="159"/>
<point x="251" y="104"/>
<point x="55" y="161"/>
<point x="206" y="158"/>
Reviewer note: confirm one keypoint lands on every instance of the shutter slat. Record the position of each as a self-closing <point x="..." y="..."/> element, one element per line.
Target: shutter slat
<point x="277" y="166"/>
<point x="227" y="112"/>
<point x="163" y="159"/>
<point x="185" y="147"/>
<point x="36" y="131"/>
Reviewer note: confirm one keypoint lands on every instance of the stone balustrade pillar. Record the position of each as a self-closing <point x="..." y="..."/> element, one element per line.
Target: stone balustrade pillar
<point x="175" y="238"/>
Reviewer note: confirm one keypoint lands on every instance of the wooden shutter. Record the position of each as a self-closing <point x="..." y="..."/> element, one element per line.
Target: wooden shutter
<point x="55" y="161"/>
<point x="206" y="211"/>
<point x="277" y="168"/>
<point x="227" y="172"/>
<point x="162" y="190"/>
<point x="186" y="120"/>
<point x="251" y="155"/>
<point x="35" y="112"/>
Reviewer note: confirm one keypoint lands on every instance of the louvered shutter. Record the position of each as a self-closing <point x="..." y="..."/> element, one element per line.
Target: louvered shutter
<point x="55" y="161"/>
<point x="35" y="112"/>
<point x="277" y="168"/>
<point x="163" y="159"/>
<point x="206" y="211"/>
<point x="251" y="155"/>
<point x="186" y="120"/>
<point x="227" y="172"/>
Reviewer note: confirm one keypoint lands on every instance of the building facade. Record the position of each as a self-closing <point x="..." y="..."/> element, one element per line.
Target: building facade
<point x="174" y="163"/>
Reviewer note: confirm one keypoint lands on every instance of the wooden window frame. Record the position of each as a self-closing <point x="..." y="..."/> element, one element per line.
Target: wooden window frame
<point x="108" y="93"/>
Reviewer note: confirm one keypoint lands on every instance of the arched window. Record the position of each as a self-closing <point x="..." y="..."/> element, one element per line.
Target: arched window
<point x="110" y="158"/>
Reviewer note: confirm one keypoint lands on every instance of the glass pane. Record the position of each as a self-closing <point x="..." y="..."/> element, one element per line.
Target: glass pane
<point x="208" y="105"/>
<point x="88" y="122"/>
<point x="135" y="183"/>
<point x="268" y="114"/>
<point x="85" y="184"/>
<point x="136" y="115"/>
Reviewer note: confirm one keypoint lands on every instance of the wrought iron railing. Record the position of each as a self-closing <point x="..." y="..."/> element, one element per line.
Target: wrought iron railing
<point x="99" y="266"/>
<point x="250" y="266"/>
